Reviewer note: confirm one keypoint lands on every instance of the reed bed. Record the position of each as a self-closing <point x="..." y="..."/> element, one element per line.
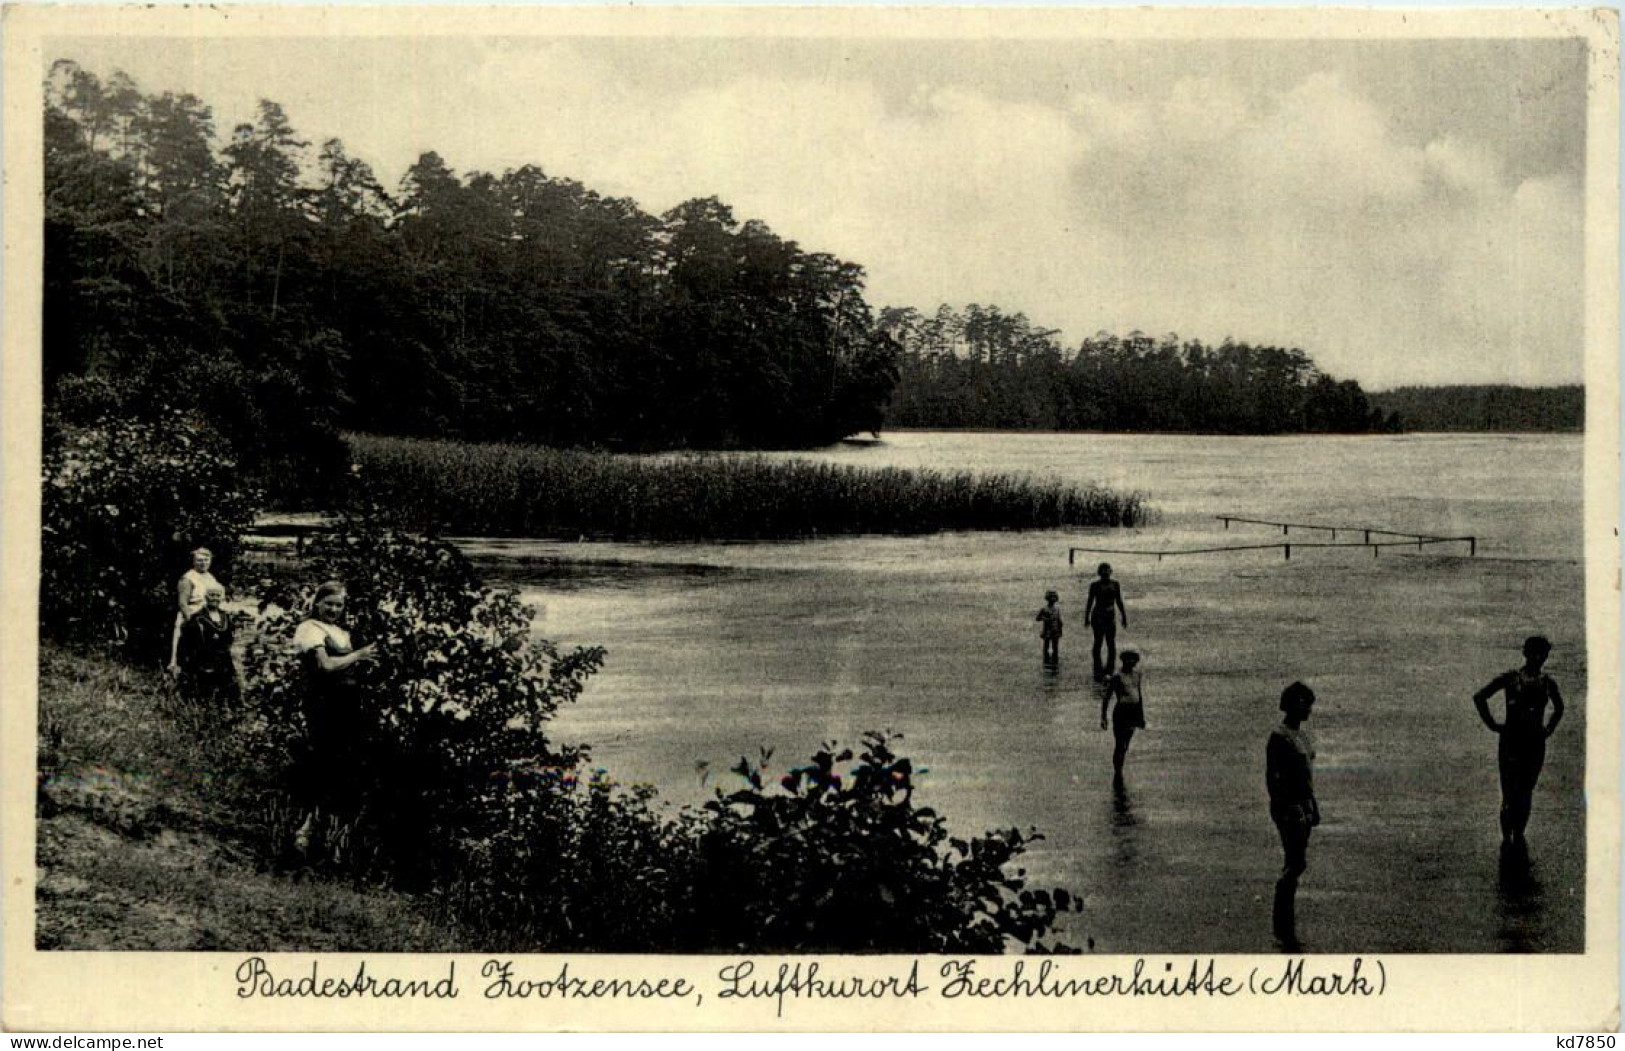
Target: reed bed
<point x="512" y="490"/>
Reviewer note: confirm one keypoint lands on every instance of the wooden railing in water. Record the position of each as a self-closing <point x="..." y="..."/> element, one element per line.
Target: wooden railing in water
<point x="1369" y="531"/>
<point x="1417" y="540"/>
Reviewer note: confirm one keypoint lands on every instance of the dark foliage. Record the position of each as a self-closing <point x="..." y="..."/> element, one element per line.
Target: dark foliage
<point x="287" y="296"/>
<point x="986" y="369"/>
<point x="839" y="858"/>
<point x="458" y="697"/>
<point x="170" y="280"/>
<point x="1486" y="408"/>
<point x="122" y="504"/>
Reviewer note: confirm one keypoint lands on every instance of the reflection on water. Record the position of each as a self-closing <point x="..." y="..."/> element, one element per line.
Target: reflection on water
<point x="509" y="561"/>
<point x="1520" y="901"/>
<point x="1126" y="831"/>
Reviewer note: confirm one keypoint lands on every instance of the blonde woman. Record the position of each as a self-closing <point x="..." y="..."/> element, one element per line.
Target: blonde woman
<point x="191" y="593"/>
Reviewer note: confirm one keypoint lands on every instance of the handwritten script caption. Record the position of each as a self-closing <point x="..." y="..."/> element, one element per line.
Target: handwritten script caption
<point x="785" y="983"/>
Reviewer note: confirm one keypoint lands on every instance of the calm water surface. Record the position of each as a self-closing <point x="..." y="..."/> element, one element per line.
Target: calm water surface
<point x="716" y="651"/>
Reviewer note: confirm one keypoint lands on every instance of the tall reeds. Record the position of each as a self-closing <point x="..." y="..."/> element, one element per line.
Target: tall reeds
<point x="511" y="490"/>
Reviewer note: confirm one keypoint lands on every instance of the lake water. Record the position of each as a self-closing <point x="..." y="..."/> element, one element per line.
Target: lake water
<point x="719" y="650"/>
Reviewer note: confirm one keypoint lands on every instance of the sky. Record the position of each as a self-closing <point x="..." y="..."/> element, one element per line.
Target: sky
<point x="1406" y="211"/>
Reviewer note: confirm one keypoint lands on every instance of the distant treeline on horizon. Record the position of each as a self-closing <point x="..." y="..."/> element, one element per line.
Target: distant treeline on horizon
<point x="1487" y="407"/>
<point x="980" y="368"/>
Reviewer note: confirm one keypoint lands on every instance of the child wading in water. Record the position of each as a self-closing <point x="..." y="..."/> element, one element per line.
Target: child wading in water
<point x="1050" y="618"/>
<point x="1128" y="689"/>
<point x="1522" y="748"/>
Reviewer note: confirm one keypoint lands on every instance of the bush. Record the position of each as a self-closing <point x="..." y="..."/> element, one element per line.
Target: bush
<point x="846" y="862"/>
<point x="467" y="798"/>
<point x="460" y="695"/>
<point x="123" y="503"/>
<point x="825" y="860"/>
<point x="279" y="421"/>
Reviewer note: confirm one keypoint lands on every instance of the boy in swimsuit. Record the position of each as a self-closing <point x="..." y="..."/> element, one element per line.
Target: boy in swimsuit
<point x="1050" y="618"/>
<point x="1522" y="748"/>
<point x="1289" y="762"/>
<point x="1105" y="602"/>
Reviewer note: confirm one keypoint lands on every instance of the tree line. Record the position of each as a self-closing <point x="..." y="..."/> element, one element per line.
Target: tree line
<point x="283" y="292"/>
<point x="1496" y="407"/>
<point x="983" y="368"/>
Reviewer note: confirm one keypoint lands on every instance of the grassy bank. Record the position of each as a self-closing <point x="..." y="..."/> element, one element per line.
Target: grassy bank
<point x="149" y="828"/>
<point x="509" y="490"/>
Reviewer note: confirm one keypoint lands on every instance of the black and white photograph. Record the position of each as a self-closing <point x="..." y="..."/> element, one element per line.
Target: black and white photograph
<point x="732" y="486"/>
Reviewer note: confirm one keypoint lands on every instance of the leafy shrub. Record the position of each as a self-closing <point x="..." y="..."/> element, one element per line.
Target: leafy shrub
<point x="460" y="694"/>
<point x="826" y="860"/>
<point x="123" y="503"/>
<point x="279" y="420"/>
<point x="837" y="861"/>
<point x="578" y="863"/>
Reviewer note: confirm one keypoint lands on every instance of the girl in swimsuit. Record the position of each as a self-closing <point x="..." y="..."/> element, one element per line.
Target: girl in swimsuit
<point x="1522" y="749"/>
<point x="1127" y="688"/>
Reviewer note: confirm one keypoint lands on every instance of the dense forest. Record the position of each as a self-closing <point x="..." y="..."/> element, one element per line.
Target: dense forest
<point x="280" y="290"/>
<point x="983" y="368"/>
<point x="1486" y="408"/>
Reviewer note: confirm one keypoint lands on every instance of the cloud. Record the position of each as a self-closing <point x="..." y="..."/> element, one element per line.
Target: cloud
<point x="1300" y="217"/>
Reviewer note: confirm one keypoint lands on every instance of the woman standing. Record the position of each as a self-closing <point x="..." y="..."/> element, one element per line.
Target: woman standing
<point x="193" y="588"/>
<point x="338" y="727"/>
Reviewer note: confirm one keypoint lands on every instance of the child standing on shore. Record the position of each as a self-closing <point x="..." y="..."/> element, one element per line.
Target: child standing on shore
<point x="1127" y="687"/>
<point x="1050" y="618"/>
